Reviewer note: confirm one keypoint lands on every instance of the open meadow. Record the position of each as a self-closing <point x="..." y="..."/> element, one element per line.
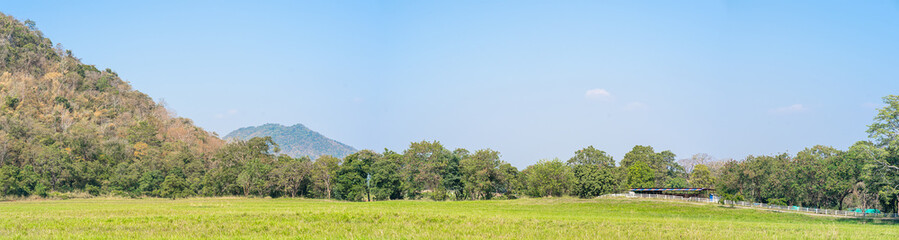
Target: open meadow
<point x="544" y="218"/>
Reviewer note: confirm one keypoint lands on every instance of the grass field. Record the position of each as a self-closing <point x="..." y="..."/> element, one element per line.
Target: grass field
<point x="558" y="218"/>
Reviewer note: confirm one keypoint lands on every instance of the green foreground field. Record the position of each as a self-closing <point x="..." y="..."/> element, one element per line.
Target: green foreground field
<point x="558" y="218"/>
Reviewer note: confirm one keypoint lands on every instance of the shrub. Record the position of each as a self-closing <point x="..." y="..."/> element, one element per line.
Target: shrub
<point x="11" y="102"/>
<point x="41" y="190"/>
<point x="777" y="201"/>
<point x="92" y="190"/>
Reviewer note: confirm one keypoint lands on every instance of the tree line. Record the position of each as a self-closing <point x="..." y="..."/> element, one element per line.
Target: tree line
<point x="863" y="176"/>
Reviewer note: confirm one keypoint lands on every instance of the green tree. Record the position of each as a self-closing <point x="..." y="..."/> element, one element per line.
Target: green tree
<point x="10" y="182"/>
<point x="480" y="174"/>
<point x="291" y="175"/>
<point x="352" y="180"/>
<point x="509" y="183"/>
<point x="843" y="174"/>
<point x="760" y="178"/>
<point x="824" y="176"/>
<point x="253" y="177"/>
<point x="144" y="132"/>
<point x="882" y="168"/>
<point x="241" y="167"/>
<point x="663" y="164"/>
<point x="701" y="177"/>
<point x="53" y="165"/>
<point x="677" y="182"/>
<point x="594" y="173"/>
<point x="150" y="182"/>
<point x="592" y="156"/>
<point x="324" y="171"/>
<point x="174" y="186"/>
<point x="426" y="165"/>
<point x="386" y="182"/>
<point x="885" y="129"/>
<point x="729" y="180"/>
<point x="639" y="175"/>
<point x="548" y="178"/>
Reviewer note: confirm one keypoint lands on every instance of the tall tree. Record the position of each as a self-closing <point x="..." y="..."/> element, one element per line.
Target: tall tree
<point x="509" y="183"/>
<point x="882" y="170"/>
<point x="701" y="177"/>
<point x="253" y="177"/>
<point x="666" y="170"/>
<point x="324" y="171"/>
<point x="352" y="179"/>
<point x="291" y="175"/>
<point x="640" y="175"/>
<point x="761" y="178"/>
<point x="548" y="178"/>
<point x="424" y="167"/>
<point x="594" y="173"/>
<point x="480" y="173"/>
<point x="386" y="182"/>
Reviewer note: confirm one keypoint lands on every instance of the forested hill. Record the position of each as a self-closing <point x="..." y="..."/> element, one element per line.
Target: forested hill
<point x="68" y="125"/>
<point x="296" y="140"/>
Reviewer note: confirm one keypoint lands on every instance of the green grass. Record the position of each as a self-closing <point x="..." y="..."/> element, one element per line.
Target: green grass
<point x="558" y="218"/>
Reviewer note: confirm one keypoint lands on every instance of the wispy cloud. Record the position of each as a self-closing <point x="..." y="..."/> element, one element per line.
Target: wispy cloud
<point x="795" y="108"/>
<point x="635" y="106"/>
<point x="598" y="93"/>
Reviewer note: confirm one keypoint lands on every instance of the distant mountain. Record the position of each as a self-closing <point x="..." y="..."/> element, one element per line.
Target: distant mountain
<point x="296" y="140"/>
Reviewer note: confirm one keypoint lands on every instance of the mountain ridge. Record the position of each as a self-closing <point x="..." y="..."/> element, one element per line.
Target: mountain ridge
<point x="296" y="140"/>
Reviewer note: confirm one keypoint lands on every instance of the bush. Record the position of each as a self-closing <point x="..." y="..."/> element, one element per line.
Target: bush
<point x="439" y="195"/>
<point x="64" y="102"/>
<point x="92" y="190"/>
<point x="58" y="195"/>
<point x="41" y="190"/>
<point x="103" y="84"/>
<point x="11" y="102"/>
<point x="777" y="201"/>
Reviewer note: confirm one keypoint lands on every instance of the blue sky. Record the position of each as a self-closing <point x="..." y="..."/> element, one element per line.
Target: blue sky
<point x="530" y="79"/>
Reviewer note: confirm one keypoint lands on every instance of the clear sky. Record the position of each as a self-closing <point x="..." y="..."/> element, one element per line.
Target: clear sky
<point x="530" y="79"/>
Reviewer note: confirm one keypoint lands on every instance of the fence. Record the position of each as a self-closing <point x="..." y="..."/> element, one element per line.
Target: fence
<point x="759" y="205"/>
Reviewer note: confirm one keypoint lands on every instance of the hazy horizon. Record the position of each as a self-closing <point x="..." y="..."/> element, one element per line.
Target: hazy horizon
<point x="531" y="80"/>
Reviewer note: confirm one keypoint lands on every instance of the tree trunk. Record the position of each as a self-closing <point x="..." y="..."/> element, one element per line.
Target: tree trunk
<point x="329" y="189"/>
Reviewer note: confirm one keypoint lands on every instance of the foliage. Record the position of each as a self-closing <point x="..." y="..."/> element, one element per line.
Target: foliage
<point x="548" y="178"/>
<point x="292" y="176"/>
<point x="730" y="199"/>
<point x="885" y="129"/>
<point x="427" y="166"/>
<point x="594" y="173"/>
<point x="386" y="182"/>
<point x="639" y="175"/>
<point x="353" y="177"/>
<point x="882" y="163"/>
<point x="663" y="164"/>
<point x="701" y="177"/>
<point x="482" y="174"/>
